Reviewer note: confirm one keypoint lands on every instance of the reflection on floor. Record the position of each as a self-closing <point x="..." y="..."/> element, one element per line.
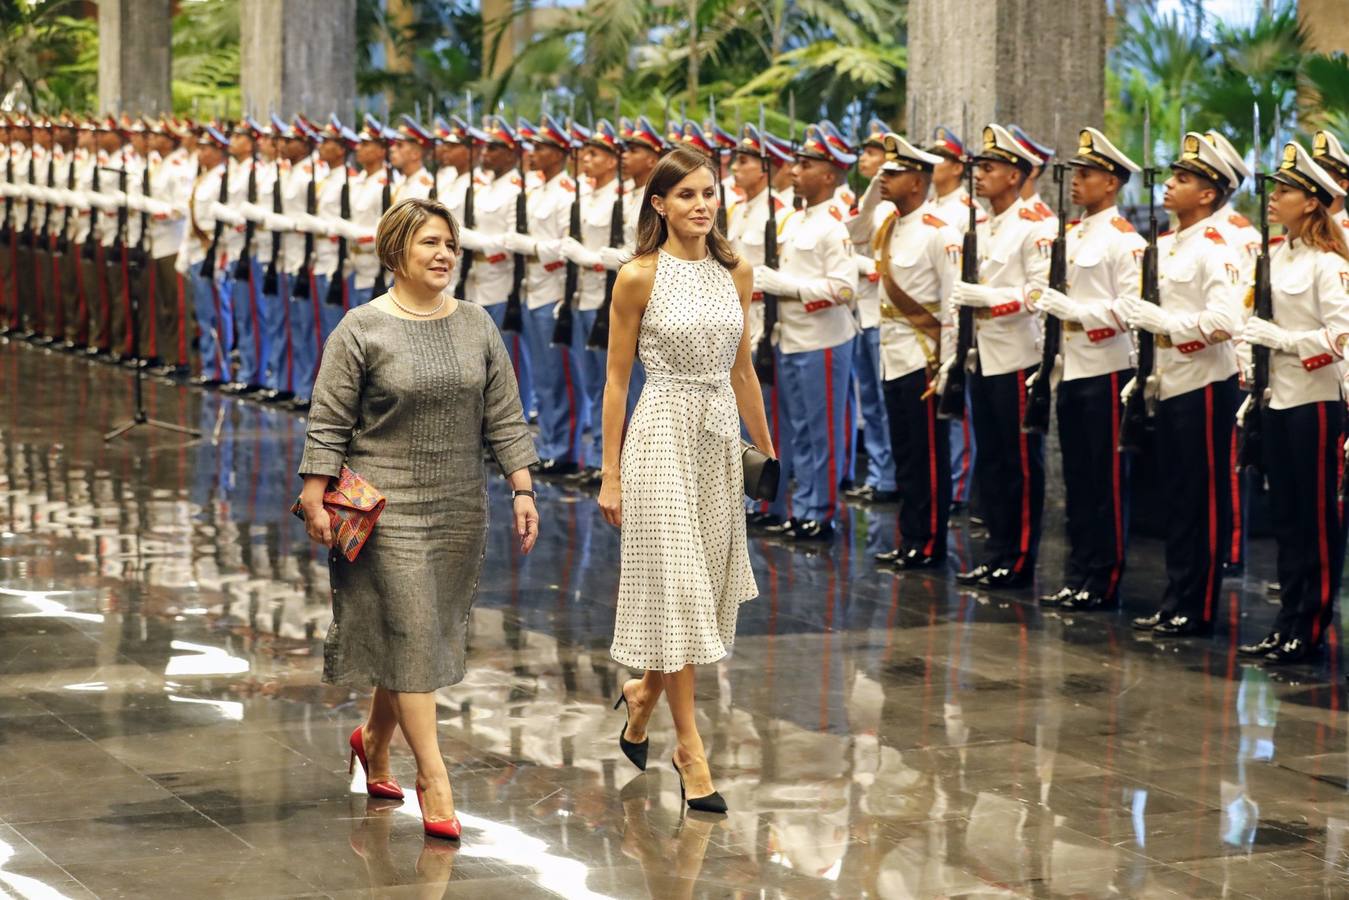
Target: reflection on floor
<point x="165" y="733"/>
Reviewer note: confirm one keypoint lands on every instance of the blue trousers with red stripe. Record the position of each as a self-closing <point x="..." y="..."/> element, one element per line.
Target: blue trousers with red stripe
<point x="1303" y="455"/>
<point x="815" y="386"/>
<point x="1010" y="468"/>
<point x="964" y="454"/>
<point x="921" y="444"/>
<point x="519" y="352"/>
<point x="880" y="459"/>
<point x="1095" y="481"/>
<point x="557" y="389"/>
<point x="275" y="320"/>
<point x="305" y="336"/>
<point x="330" y="312"/>
<point x="246" y="300"/>
<point x="211" y="302"/>
<point x="1194" y="441"/>
<point x="775" y="410"/>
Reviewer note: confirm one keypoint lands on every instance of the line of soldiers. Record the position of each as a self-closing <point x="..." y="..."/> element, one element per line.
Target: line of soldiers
<point x="923" y="309"/>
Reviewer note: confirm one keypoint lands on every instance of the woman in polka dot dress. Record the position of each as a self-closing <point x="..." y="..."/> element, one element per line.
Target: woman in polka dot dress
<point x="676" y="486"/>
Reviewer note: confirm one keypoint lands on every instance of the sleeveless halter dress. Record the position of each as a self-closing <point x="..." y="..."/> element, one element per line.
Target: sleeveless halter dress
<point x="684" y="557"/>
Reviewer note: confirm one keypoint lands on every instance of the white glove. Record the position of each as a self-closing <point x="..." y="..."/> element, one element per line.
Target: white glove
<point x="866" y="266"/>
<point x="770" y="281"/>
<point x="578" y="253"/>
<point x="1263" y="333"/>
<point x="1243" y="410"/>
<point x="1057" y="304"/>
<point x="135" y="202"/>
<point x="225" y="213"/>
<point x="1148" y="316"/>
<point x="940" y="387"/>
<point x="275" y="222"/>
<point x="612" y="258"/>
<point x="1129" y="387"/>
<point x="975" y="295"/>
<point x="253" y="212"/>
<point x="1055" y="375"/>
<point x="314" y="225"/>
<point x="518" y="243"/>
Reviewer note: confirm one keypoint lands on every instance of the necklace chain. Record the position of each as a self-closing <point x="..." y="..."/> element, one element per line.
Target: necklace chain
<point x="413" y="312"/>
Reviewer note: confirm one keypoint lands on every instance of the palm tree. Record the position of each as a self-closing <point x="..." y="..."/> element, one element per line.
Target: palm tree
<point x="48" y="57"/>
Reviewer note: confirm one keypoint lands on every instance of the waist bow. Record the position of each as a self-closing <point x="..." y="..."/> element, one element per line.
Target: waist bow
<point x="720" y="415"/>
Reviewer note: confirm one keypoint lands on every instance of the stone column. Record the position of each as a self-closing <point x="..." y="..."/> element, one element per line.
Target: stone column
<point x="134" y="55"/>
<point x="298" y="56"/>
<point x="1326" y="23"/>
<point x="1022" y="61"/>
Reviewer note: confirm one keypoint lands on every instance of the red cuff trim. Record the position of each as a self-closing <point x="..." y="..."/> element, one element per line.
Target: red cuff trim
<point x="1101" y="334"/>
<point x="874" y="277"/>
<point x="816" y="305"/>
<point x="365" y="240"/>
<point x="1005" y="309"/>
<point x="553" y="266"/>
<point x="597" y="267"/>
<point x="1316" y="362"/>
<point x="1191" y="346"/>
<point x="756" y="297"/>
<point x="496" y="258"/>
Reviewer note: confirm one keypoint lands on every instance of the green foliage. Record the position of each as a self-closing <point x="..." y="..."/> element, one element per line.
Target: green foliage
<point x="206" y="59"/>
<point x="48" y="58"/>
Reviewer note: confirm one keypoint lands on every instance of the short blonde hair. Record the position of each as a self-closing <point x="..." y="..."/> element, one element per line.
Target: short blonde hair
<point x="400" y="222"/>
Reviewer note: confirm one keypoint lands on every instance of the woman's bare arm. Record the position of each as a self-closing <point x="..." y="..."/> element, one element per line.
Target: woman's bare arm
<point x="632" y="291"/>
<point x="744" y="380"/>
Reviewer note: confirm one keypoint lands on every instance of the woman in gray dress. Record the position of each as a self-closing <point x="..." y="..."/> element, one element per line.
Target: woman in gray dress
<point x="411" y="387"/>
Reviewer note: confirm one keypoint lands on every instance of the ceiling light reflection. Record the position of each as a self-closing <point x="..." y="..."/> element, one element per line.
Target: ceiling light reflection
<point x="43" y="605"/>
<point x="230" y="709"/>
<point x="204" y="660"/>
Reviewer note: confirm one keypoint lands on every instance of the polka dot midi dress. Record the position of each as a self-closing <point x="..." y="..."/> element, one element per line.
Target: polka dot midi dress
<point x="684" y="557"/>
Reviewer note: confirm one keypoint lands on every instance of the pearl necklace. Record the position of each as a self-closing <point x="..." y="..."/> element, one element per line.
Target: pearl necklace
<point x="413" y="312"/>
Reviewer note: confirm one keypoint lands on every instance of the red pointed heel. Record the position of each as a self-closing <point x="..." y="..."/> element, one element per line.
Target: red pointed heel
<point x="445" y="828"/>
<point x="388" y="790"/>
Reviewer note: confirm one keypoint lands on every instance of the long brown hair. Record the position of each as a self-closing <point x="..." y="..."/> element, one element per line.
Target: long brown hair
<point x="1320" y="231"/>
<point x="652" y="231"/>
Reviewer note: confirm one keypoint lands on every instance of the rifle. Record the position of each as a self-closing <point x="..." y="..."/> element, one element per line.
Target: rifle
<point x="30" y="232"/>
<point x="599" y="334"/>
<point x="51" y="184"/>
<point x="208" y="264"/>
<point x="300" y="288"/>
<point x="242" y="264"/>
<point x="90" y="251"/>
<point x="562" y="328"/>
<point x="337" y="287"/>
<point x="1250" y="448"/>
<point x="1036" y="420"/>
<point x="381" y="286"/>
<point x="269" y="278"/>
<point x="63" y="245"/>
<point x="763" y="354"/>
<point x="7" y="229"/>
<point x="1137" y="416"/>
<point x="951" y="405"/>
<point x="141" y="258"/>
<point x="466" y="263"/>
<point x="716" y="155"/>
<point x="512" y="319"/>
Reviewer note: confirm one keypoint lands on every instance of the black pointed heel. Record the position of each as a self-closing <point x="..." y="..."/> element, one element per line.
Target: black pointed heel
<point x="712" y="803"/>
<point x="636" y="753"/>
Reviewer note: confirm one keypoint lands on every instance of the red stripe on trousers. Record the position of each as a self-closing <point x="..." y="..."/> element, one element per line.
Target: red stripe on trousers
<point x="1212" y="482"/>
<point x="220" y="330"/>
<point x="284" y="294"/>
<point x="346" y="294"/>
<point x="318" y="318"/>
<point x="930" y="546"/>
<point x="82" y="310"/>
<point x="182" y="320"/>
<point x="253" y="317"/>
<point x="571" y="398"/>
<point x="1115" y="478"/>
<point x="1234" y="552"/>
<point x="1322" y="539"/>
<point x="829" y="417"/>
<point x="1023" y="451"/>
<point x="104" y="303"/>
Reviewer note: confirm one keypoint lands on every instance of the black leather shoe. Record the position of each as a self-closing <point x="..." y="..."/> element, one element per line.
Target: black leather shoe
<point x="1295" y="651"/>
<point x="889" y="557"/>
<point x="783" y="529"/>
<point x="278" y="397"/>
<point x="1058" y="597"/>
<point x="1148" y="623"/>
<point x="1006" y="578"/>
<point x="557" y="467"/>
<point x="762" y="520"/>
<point x="1183" y="626"/>
<point x="813" y="530"/>
<point x="863" y="492"/>
<point x="1086" y="601"/>
<point x="975" y="575"/>
<point x="1265" y="645"/>
<point x="233" y="387"/>
<point x="206" y="381"/>
<point x="1273" y="589"/>
<point x="914" y="560"/>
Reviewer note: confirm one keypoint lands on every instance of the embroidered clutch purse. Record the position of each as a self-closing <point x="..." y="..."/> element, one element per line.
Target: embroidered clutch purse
<point x="762" y="472"/>
<point x="354" y="506"/>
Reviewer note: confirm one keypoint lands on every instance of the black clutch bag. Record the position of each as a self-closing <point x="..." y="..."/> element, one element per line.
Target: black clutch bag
<point x="762" y="472"/>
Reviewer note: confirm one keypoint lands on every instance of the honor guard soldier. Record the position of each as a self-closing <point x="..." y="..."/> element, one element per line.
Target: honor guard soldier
<point x="1014" y="249"/>
<point x="746" y="225"/>
<point x="1303" y="427"/>
<point x="371" y="194"/>
<point x="40" y="302"/>
<point x="171" y="173"/>
<point x="135" y="155"/>
<point x="879" y="484"/>
<point x="458" y="139"/>
<point x="489" y="280"/>
<point x="451" y="160"/>
<point x="594" y="256"/>
<point x="9" y="310"/>
<point x="239" y="270"/>
<point x="1329" y="154"/>
<point x="209" y="306"/>
<point x="843" y="194"/>
<point x="951" y="203"/>
<point x="556" y="388"/>
<point x="273" y="288"/>
<point x="917" y="261"/>
<point x="86" y="238"/>
<point x="1030" y="191"/>
<point x="76" y="230"/>
<point x="1244" y="238"/>
<point x="1195" y="380"/>
<point x="642" y="149"/>
<point x="1103" y="253"/>
<point x="21" y="153"/>
<point x="58" y="230"/>
<point x="407" y="153"/>
<point x="112" y="222"/>
<point x="300" y="175"/>
<point x="332" y="300"/>
<point x="816" y="286"/>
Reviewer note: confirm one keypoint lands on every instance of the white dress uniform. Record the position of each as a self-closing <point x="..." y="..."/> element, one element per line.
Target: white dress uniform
<point x="489" y="280"/>
<point x="446" y="176"/>
<point x="170" y="187"/>
<point x="1104" y="252"/>
<point x="367" y="206"/>
<point x="745" y="227"/>
<point x="954" y="209"/>
<point x="416" y="186"/>
<point x="1303" y="426"/>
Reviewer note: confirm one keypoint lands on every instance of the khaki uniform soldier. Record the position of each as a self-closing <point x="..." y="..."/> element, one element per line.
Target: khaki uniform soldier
<point x="170" y="172"/>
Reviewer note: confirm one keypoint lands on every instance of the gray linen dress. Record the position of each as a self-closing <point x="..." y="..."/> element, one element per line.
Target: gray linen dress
<point x="408" y="404"/>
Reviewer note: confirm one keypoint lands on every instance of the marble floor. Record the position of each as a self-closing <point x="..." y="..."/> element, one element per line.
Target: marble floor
<point x="165" y="732"/>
